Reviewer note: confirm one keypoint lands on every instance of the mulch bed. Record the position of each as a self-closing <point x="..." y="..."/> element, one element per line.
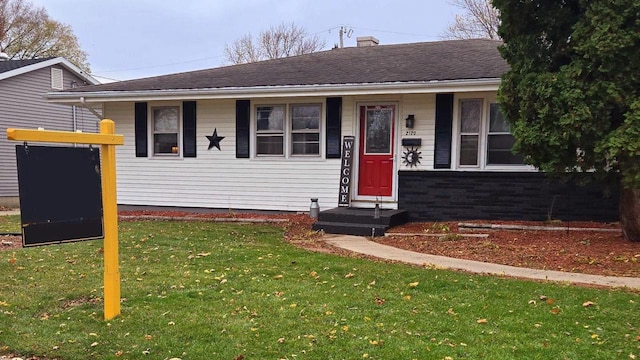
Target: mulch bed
<point x="588" y="252"/>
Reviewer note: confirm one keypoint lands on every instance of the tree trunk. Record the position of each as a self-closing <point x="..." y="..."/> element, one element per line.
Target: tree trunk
<point x="630" y="213"/>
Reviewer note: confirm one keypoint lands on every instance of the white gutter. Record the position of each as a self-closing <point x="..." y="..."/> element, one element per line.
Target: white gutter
<point x="278" y="91"/>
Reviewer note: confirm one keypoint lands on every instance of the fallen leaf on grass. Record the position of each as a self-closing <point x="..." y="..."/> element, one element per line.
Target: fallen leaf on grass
<point x="588" y="304"/>
<point x="481" y="321"/>
<point x="413" y="284"/>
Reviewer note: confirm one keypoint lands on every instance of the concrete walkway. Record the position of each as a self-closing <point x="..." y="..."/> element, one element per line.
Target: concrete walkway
<point x="364" y="246"/>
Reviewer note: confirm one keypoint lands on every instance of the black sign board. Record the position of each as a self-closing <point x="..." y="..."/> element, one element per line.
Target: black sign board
<point x="60" y="194"/>
<point x="344" y="196"/>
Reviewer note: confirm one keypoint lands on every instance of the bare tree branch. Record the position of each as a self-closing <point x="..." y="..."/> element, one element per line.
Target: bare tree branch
<point x="27" y="32"/>
<point x="286" y="39"/>
<point x="479" y="20"/>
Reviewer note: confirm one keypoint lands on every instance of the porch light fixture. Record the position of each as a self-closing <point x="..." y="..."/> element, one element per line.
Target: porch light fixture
<point x="410" y="121"/>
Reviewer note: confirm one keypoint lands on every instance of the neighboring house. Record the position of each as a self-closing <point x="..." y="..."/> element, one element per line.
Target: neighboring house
<point x="268" y="135"/>
<point x="23" y="86"/>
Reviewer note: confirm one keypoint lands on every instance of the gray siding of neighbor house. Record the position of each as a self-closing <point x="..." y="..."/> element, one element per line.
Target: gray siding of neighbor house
<point x="22" y="105"/>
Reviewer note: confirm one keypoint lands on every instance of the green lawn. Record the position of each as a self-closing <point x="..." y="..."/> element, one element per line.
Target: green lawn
<point x="218" y="291"/>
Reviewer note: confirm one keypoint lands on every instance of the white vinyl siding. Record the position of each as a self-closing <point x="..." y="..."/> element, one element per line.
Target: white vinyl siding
<point x="216" y="178"/>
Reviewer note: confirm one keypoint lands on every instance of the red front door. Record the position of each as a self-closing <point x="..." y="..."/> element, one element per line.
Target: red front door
<point x="375" y="174"/>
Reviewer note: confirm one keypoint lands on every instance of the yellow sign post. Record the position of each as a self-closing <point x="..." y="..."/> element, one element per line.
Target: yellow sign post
<point x="107" y="139"/>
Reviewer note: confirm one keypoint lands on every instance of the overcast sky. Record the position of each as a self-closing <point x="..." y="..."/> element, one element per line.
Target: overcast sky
<point x="127" y="39"/>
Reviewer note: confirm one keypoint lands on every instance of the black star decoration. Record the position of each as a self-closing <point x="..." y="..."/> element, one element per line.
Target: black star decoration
<point x="214" y="140"/>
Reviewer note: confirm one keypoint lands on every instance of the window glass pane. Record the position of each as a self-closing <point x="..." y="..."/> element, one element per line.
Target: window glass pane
<point x="499" y="150"/>
<point x="469" y="150"/>
<point x="378" y="139"/>
<point x="305" y="117"/>
<point x="165" y="119"/>
<point x="270" y="145"/>
<point x="305" y="144"/>
<point x="270" y="118"/>
<point x="470" y="115"/>
<point x="496" y="120"/>
<point x="165" y="143"/>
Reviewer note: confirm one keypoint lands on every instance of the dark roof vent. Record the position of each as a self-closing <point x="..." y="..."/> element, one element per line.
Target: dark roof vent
<point x="364" y="41"/>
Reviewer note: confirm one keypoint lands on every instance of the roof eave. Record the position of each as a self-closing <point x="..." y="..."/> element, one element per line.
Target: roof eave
<point x="435" y="86"/>
<point x="51" y="62"/>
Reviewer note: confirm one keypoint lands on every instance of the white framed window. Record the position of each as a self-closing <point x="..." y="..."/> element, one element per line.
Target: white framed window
<point x="483" y="138"/>
<point x="270" y="130"/>
<point x="165" y="130"/>
<point x="470" y="124"/>
<point x="288" y="131"/>
<point x="499" y="140"/>
<point x="305" y="129"/>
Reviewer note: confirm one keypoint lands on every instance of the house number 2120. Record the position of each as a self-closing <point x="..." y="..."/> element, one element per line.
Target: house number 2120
<point x="409" y="132"/>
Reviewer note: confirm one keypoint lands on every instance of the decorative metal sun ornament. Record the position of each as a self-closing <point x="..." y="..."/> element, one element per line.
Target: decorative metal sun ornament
<point x="411" y="157"/>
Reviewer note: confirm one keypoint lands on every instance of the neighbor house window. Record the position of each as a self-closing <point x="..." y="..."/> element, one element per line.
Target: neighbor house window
<point x="166" y="130"/>
<point x="288" y="131"/>
<point x="484" y="137"/>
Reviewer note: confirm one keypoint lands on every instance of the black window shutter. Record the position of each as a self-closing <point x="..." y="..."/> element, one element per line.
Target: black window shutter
<point x="189" y="128"/>
<point x="444" y="123"/>
<point x="242" y="128"/>
<point x="334" y="127"/>
<point x="141" y="129"/>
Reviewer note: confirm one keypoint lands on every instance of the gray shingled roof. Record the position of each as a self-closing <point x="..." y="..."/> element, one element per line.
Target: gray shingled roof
<point x="8" y="65"/>
<point x="417" y="62"/>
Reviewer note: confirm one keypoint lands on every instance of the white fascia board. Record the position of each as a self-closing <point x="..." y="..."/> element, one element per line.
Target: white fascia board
<point x="278" y="91"/>
<point x="51" y="62"/>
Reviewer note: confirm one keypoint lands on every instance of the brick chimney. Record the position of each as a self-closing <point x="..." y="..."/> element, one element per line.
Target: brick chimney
<point x="364" y="41"/>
